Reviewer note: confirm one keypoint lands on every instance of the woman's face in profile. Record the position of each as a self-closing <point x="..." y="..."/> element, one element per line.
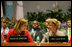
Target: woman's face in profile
<point x="46" y="24"/>
<point x="24" y="27"/>
<point x="52" y="27"/>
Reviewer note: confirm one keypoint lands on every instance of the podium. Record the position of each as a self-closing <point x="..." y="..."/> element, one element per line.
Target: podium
<point x="18" y="44"/>
<point x="55" y="44"/>
<point x="34" y="44"/>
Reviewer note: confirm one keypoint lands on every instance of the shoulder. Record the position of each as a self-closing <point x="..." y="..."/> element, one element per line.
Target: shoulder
<point x="7" y="29"/>
<point x="46" y="34"/>
<point x="27" y="31"/>
<point x="60" y="33"/>
<point x="11" y="30"/>
<point x="43" y="30"/>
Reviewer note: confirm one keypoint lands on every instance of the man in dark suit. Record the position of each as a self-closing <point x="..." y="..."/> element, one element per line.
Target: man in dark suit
<point x="34" y="31"/>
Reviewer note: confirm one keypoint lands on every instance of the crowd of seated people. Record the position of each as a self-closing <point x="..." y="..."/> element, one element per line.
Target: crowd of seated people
<point x="35" y="35"/>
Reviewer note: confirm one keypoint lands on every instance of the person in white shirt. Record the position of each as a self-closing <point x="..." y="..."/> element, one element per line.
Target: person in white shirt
<point x="4" y="29"/>
<point x="68" y="29"/>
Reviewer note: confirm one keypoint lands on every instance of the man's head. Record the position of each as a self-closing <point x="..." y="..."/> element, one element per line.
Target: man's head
<point x="35" y="24"/>
<point x="4" y="22"/>
<point x="69" y="23"/>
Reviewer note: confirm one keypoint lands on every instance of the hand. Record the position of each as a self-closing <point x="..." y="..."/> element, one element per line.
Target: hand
<point x="5" y="41"/>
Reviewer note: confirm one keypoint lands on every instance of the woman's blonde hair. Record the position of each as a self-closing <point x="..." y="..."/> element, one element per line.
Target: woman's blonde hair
<point x="19" y="23"/>
<point x="55" y="21"/>
<point x="59" y="24"/>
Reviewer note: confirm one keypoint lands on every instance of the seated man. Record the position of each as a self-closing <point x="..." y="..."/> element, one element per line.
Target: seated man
<point x="4" y="30"/>
<point x="34" y="31"/>
<point x="53" y="30"/>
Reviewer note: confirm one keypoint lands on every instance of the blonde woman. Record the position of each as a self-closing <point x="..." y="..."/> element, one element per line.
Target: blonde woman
<point x="53" y="30"/>
<point x="20" y="29"/>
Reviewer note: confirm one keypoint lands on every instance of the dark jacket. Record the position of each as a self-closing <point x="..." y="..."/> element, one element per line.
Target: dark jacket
<point x="36" y="34"/>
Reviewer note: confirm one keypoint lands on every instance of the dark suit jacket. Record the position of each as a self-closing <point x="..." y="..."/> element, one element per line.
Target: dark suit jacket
<point x="37" y="33"/>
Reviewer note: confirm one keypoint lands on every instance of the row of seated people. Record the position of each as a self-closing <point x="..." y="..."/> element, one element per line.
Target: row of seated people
<point x="53" y="28"/>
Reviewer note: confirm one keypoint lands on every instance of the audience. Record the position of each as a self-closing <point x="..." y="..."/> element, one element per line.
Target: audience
<point x="53" y="28"/>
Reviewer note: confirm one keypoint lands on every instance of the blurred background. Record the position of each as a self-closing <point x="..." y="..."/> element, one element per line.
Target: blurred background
<point x="35" y="10"/>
